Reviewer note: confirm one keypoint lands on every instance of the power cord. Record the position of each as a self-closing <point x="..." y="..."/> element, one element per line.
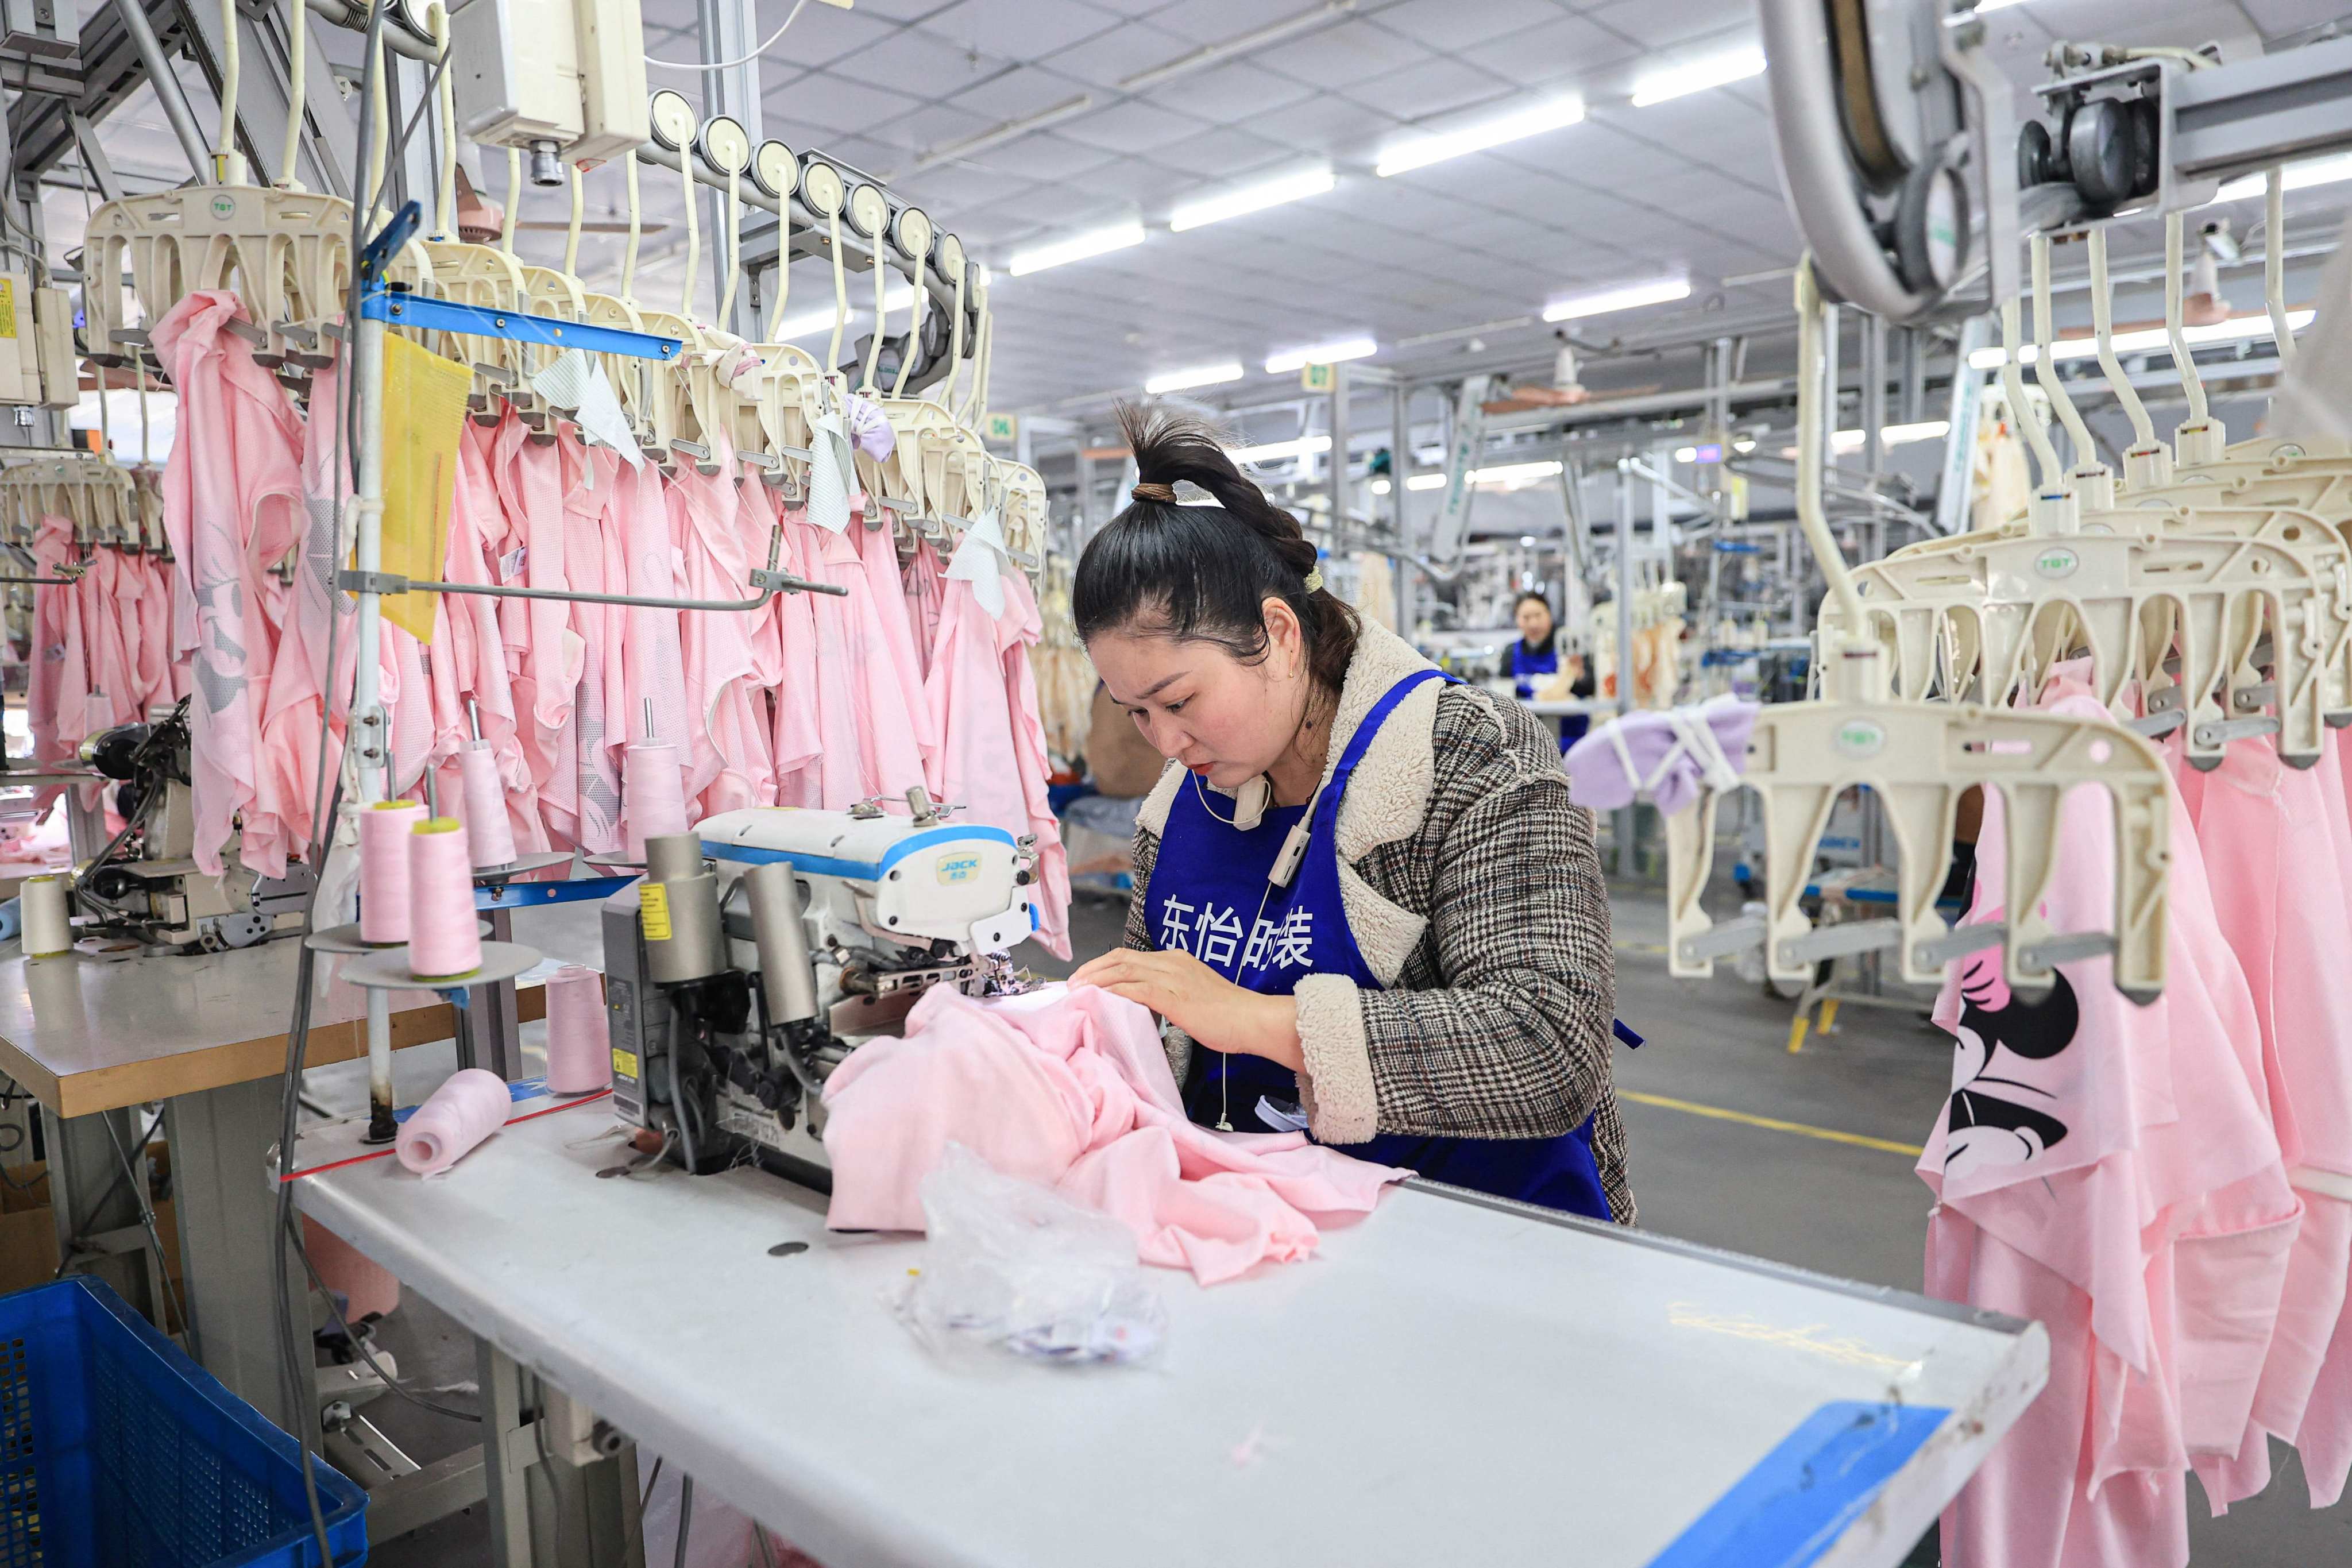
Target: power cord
<point x="794" y="15"/>
<point x="294" y="1239"/>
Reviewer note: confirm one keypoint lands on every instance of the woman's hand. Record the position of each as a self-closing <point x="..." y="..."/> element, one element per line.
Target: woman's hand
<point x="1214" y="1011"/>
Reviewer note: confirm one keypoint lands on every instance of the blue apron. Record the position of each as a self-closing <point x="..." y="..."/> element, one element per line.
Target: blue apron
<point x="1573" y="726"/>
<point x="1210" y="896"/>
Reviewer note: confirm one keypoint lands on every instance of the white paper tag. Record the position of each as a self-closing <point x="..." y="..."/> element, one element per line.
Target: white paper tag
<point x="829" y="471"/>
<point x="978" y="561"/>
<point x="564" y="382"/>
<point x="511" y="564"/>
<point x="601" y="418"/>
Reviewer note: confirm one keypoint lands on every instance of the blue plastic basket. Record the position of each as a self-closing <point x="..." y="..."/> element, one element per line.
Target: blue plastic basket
<point x="117" y="1451"/>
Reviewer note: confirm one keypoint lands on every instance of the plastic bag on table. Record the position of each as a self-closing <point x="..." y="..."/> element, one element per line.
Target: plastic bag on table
<point x="1014" y="1265"/>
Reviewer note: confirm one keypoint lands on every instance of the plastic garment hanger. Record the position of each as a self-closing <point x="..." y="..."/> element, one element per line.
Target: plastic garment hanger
<point x="1919" y="758"/>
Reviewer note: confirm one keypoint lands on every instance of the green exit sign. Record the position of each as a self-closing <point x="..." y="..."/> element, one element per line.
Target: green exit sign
<point x="1003" y="429"/>
<point x="1317" y="377"/>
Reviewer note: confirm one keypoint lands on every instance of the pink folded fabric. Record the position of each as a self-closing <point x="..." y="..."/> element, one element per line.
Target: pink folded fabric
<point x="1071" y="1089"/>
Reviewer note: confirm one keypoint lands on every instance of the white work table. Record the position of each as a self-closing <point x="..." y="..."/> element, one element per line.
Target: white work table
<point x="1447" y="1382"/>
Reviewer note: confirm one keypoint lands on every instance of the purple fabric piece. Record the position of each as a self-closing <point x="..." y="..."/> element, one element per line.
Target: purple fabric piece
<point x="1666" y="756"/>
<point x="869" y="427"/>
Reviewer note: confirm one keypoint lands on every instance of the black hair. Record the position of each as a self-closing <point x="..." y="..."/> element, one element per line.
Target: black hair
<point x="1204" y="573"/>
<point x="1526" y="593"/>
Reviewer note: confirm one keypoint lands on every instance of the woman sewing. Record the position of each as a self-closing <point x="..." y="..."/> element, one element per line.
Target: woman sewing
<point x="1535" y="664"/>
<point x="1362" y="897"/>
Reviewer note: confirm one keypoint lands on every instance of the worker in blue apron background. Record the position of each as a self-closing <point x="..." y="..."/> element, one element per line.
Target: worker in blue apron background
<point x="1534" y="658"/>
<point x="1210" y="624"/>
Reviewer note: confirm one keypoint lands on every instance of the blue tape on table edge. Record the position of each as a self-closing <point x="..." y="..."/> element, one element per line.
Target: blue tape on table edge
<point x="518" y="1092"/>
<point x="1796" y="1501"/>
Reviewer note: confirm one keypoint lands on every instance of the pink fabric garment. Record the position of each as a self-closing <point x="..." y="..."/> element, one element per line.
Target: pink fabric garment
<point x="594" y="563"/>
<point x="468" y="628"/>
<point x="653" y="694"/>
<point x="543" y="652"/>
<point x="232" y="506"/>
<point x="2033" y="1504"/>
<point x="59" y="678"/>
<point x="893" y="620"/>
<point x="784" y="650"/>
<point x="926" y="577"/>
<point x="1070" y="1087"/>
<point x="2087" y="1137"/>
<point x="299" y="677"/>
<point x="1030" y="756"/>
<point x="727" y="764"/>
<point x="867" y="717"/>
<point x="806" y="702"/>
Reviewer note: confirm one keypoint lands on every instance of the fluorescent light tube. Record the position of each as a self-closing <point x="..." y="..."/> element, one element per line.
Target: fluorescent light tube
<point x="1198" y="375"/>
<point x="1276" y="451"/>
<point x="1321" y="353"/>
<point x="2299" y="177"/>
<point x="1426" y="482"/>
<point x="1510" y="474"/>
<point x="1894" y="434"/>
<point x="1680" y="81"/>
<point x="1077" y="248"/>
<point x="1630" y="297"/>
<point x="2237" y="329"/>
<point x="1251" y="198"/>
<point x="808" y="324"/>
<point x="1421" y="151"/>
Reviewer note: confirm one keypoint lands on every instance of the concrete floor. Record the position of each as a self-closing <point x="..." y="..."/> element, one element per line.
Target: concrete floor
<point x="1859" y="1212"/>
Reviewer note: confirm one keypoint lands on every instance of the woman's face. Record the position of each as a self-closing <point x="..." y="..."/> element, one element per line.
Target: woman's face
<point x="1535" y="621"/>
<point x="1226" y="720"/>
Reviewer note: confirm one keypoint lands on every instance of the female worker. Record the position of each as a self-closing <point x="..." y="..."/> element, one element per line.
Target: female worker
<point x="1361" y="888"/>
<point x="1537" y="653"/>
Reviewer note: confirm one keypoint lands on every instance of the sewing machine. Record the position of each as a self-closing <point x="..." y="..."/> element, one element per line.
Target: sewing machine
<point x="143" y="884"/>
<point x="757" y="950"/>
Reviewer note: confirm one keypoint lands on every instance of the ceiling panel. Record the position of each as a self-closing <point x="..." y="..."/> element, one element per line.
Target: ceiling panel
<point x="1691" y="186"/>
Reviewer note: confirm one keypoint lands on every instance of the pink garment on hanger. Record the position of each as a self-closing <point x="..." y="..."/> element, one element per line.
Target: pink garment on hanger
<point x="653" y="695"/>
<point x="926" y="577"/>
<point x="783" y="652"/>
<point x="543" y="652"/>
<point x="2089" y="1138"/>
<point x="232" y="507"/>
<point x="594" y="563"/>
<point x="1070" y="1087"/>
<point x="477" y="644"/>
<point x="865" y="717"/>
<point x="299" y="677"/>
<point x="972" y="696"/>
<point x="59" y="678"/>
<point x="728" y="767"/>
<point x="893" y="620"/>
<point x="2033" y="1503"/>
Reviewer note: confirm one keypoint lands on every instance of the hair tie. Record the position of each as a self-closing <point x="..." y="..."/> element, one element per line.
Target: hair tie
<point x="1150" y="490"/>
<point x="1315" y="581"/>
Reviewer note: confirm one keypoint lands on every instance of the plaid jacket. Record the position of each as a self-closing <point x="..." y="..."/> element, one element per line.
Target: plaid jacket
<point x="1475" y="892"/>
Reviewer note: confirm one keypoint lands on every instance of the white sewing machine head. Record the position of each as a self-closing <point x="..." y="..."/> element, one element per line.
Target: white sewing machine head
<point x="757" y="950"/>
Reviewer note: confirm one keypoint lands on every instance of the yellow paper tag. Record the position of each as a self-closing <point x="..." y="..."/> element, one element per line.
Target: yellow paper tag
<point x="423" y="414"/>
<point x="653" y="910"/>
<point x="624" y="1063"/>
<point x="7" y="307"/>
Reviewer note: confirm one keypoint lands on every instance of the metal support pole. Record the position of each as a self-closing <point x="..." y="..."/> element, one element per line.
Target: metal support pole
<point x="1623" y="825"/>
<point x="367" y="706"/>
<point x="1337" y="459"/>
<point x="1874" y="393"/>
<point x="94" y="1205"/>
<point x="230" y="1243"/>
<point x="1914" y="406"/>
<point x="729" y="30"/>
<point x="166" y="87"/>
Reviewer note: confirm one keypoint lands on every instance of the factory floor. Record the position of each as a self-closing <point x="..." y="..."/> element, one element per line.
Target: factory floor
<point x="1735" y="1143"/>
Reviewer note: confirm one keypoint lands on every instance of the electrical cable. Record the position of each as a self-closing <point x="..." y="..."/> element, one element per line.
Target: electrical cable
<point x="147" y="1219"/>
<point x="653" y="1478"/>
<point x="730" y="65"/>
<point x="144" y="1139"/>
<point x="685" y="1520"/>
<point x="294" y="1239"/>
